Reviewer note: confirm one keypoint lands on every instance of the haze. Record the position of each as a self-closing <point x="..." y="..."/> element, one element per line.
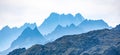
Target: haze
<point x="17" y="12"/>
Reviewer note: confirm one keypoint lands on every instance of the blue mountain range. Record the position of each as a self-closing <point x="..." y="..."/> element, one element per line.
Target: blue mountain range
<point x="28" y="37"/>
<point x="85" y="26"/>
<point x="8" y="35"/>
<point x="55" y="26"/>
<point x="56" y="19"/>
<point x="96" y="42"/>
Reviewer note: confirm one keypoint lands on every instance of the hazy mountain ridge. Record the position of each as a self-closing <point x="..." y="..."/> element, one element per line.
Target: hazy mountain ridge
<point x="62" y="24"/>
<point x="89" y="25"/>
<point x="27" y="38"/>
<point x="12" y="34"/>
<point x="59" y="19"/>
<point x="84" y="26"/>
<point x="98" y="42"/>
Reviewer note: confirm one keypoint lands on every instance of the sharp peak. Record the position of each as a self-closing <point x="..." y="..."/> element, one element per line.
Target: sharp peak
<point x="59" y="25"/>
<point x="31" y="28"/>
<point x="28" y="28"/>
<point x="36" y="28"/>
<point x="29" y="23"/>
<point x="55" y="13"/>
<point x="78" y="14"/>
<point x="6" y="26"/>
<point x="72" y="24"/>
<point x="67" y="14"/>
<point x="117" y="26"/>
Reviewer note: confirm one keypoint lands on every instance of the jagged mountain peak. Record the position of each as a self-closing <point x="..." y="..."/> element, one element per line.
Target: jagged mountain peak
<point x="31" y="25"/>
<point x="68" y="15"/>
<point x="35" y="28"/>
<point x="98" y="42"/>
<point x="54" y="14"/>
<point x="78" y="15"/>
<point x="94" y="22"/>
<point x="6" y="27"/>
<point x="72" y="25"/>
<point x="28" y="37"/>
<point x="118" y="26"/>
<point x="59" y="26"/>
<point x="56" y="19"/>
<point x="28" y="31"/>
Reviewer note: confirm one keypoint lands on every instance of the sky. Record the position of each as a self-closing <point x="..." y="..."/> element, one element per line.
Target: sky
<point x="17" y="12"/>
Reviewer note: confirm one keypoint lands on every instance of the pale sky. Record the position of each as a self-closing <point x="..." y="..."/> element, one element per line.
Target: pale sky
<point x="17" y="12"/>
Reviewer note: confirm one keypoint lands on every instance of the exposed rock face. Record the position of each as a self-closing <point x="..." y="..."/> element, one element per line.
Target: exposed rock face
<point x="17" y="51"/>
<point x="98" y="42"/>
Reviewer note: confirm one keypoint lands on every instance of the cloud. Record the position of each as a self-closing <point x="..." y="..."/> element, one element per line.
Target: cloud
<point x="17" y="12"/>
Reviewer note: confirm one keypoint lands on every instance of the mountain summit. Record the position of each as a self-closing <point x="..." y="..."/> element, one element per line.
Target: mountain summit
<point x="59" y="19"/>
<point x="54" y="27"/>
<point x="7" y="34"/>
<point x="88" y="25"/>
<point x="84" y="26"/>
<point x="28" y="38"/>
<point x="98" y="42"/>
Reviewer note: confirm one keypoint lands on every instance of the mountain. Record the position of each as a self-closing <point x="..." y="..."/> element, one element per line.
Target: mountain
<point x="89" y="25"/>
<point x="60" y="31"/>
<point x="7" y="34"/>
<point x="84" y="26"/>
<point x="27" y="38"/>
<point x="97" y="42"/>
<point x="30" y="25"/>
<point x="59" y="19"/>
<point x="18" y="51"/>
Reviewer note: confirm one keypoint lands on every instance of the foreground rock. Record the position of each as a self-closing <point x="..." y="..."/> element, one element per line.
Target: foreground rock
<point x="98" y="42"/>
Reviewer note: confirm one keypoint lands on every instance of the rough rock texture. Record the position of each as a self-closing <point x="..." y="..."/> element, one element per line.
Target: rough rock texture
<point x="98" y="42"/>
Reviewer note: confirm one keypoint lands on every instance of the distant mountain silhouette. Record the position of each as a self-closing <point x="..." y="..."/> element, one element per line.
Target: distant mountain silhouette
<point x="97" y="42"/>
<point x="30" y="25"/>
<point x="69" y="25"/>
<point x="56" y="19"/>
<point x="27" y="38"/>
<point x="55" y="26"/>
<point x="85" y="26"/>
<point x="8" y="35"/>
<point x="89" y="25"/>
<point x="60" y="31"/>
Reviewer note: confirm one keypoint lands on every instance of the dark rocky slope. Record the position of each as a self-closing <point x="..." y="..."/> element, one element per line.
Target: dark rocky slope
<point x="98" y="42"/>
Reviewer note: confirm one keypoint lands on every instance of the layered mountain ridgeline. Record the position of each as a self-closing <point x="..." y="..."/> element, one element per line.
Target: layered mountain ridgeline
<point x="63" y="24"/>
<point x="7" y="34"/>
<point x="84" y="26"/>
<point x="27" y="38"/>
<point x="55" y="26"/>
<point x="59" y="19"/>
<point x="98" y="42"/>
